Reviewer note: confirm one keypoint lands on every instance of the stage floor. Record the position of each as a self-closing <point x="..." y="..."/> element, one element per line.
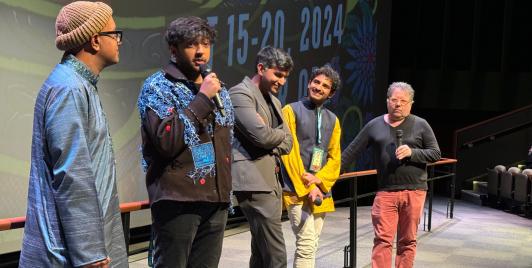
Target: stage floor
<point x="476" y="237"/>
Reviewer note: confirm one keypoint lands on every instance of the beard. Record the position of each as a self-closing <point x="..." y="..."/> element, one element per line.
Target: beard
<point x="187" y="68"/>
<point x="264" y="86"/>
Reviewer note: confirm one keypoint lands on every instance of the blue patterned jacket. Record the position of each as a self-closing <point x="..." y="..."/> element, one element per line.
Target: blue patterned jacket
<point x="175" y="118"/>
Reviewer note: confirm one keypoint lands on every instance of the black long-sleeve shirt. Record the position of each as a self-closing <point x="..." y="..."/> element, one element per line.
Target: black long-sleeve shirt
<point x="394" y="174"/>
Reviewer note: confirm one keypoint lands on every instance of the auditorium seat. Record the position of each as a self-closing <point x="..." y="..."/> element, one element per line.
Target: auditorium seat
<point x="493" y="187"/>
<point x="528" y="203"/>
<point x="507" y="188"/>
<point x="494" y="184"/>
<point x="521" y="187"/>
<point x="500" y="168"/>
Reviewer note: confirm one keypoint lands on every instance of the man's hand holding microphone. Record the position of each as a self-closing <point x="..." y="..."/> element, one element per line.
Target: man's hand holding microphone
<point x="315" y="195"/>
<point x="211" y="86"/>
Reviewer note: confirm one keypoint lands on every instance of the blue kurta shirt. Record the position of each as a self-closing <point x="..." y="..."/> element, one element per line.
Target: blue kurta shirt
<point x="73" y="215"/>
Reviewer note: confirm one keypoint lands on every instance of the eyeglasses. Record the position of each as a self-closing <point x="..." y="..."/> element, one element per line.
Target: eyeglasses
<point x="398" y="101"/>
<point x="117" y="35"/>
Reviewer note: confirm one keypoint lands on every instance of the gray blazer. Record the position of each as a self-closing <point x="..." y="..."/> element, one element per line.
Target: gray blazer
<point x="256" y="145"/>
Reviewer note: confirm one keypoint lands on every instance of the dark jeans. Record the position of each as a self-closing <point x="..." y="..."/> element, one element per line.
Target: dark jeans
<point x="188" y="234"/>
<point x="263" y="211"/>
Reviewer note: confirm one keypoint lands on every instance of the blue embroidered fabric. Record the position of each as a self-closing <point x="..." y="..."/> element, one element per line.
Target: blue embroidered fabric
<point x="81" y="69"/>
<point x="165" y="97"/>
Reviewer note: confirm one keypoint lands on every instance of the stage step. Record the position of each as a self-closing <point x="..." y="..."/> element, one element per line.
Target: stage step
<point x="480" y="187"/>
<point x="474" y="197"/>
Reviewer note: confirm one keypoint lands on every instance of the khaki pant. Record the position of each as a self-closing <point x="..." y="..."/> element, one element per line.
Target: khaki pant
<point x="307" y="229"/>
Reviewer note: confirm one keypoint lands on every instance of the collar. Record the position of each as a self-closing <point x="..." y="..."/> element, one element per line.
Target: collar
<point x="250" y="84"/>
<point x="173" y="73"/>
<point x="308" y="103"/>
<point x="80" y="68"/>
<point x="386" y="118"/>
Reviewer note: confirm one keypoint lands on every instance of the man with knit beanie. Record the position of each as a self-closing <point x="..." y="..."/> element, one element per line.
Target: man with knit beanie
<point x="73" y="215"/>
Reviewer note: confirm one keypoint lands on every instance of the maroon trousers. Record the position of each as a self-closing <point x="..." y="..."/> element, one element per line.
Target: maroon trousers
<point x="396" y="211"/>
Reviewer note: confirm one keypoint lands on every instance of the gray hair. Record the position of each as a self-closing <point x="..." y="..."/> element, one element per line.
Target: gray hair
<point x="187" y="30"/>
<point x="402" y="86"/>
<point x="274" y="57"/>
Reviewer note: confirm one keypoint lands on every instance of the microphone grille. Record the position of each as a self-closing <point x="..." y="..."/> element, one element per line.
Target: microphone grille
<point x="399" y="133"/>
<point x="205" y="69"/>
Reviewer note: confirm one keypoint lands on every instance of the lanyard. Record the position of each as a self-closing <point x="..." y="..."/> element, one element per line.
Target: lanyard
<point x="318" y="125"/>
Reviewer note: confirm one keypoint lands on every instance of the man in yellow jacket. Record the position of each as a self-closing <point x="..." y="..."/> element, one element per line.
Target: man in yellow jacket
<point x="313" y="165"/>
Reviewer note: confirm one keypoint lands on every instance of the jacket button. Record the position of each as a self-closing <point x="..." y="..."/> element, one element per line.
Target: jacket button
<point x="227" y="159"/>
<point x="167" y="128"/>
<point x="202" y="181"/>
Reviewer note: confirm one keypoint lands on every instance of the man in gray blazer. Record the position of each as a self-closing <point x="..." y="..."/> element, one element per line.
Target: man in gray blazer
<point x="261" y="136"/>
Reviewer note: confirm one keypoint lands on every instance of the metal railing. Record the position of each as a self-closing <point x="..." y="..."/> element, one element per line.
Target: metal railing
<point x="350" y="250"/>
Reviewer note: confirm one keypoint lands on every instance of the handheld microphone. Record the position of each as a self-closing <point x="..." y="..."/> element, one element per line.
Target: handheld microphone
<point x="205" y="70"/>
<point x="317" y="201"/>
<point x="399" y="136"/>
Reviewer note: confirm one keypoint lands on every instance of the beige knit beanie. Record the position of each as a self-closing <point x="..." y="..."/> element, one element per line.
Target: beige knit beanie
<point x="78" y="21"/>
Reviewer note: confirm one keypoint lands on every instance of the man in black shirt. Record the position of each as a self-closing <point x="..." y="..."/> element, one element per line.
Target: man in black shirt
<point x="403" y="144"/>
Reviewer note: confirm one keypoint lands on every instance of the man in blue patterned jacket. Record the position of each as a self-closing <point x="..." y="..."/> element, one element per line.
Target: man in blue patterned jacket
<point x="73" y="216"/>
<point x="186" y="148"/>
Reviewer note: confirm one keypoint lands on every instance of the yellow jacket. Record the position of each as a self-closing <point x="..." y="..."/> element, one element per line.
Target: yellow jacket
<point x="293" y="165"/>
